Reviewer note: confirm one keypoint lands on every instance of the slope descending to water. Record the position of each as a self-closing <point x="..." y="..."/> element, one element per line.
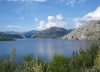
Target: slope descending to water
<point x="12" y="36"/>
<point x="89" y="31"/>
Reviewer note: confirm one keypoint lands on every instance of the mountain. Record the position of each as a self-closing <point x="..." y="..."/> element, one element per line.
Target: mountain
<point x="27" y="34"/>
<point x="12" y="32"/>
<point x="15" y="36"/>
<point x="2" y="34"/>
<point x="53" y="32"/>
<point x="89" y="31"/>
<point x="30" y="33"/>
<point x="4" y="38"/>
<point x="12" y="36"/>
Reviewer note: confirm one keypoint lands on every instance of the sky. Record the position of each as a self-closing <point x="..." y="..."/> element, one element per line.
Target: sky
<point x="26" y="15"/>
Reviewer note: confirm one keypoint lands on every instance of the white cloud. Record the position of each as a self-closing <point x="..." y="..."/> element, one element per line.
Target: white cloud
<point x="17" y="28"/>
<point x="59" y="17"/>
<point x="51" y="18"/>
<point x="79" y="22"/>
<point x="95" y="15"/>
<point x="72" y="2"/>
<point x="60" y="21"/>
<point x="41" y="25"/>
<point x="10" y="26"/>
<point x="57" y="21"/>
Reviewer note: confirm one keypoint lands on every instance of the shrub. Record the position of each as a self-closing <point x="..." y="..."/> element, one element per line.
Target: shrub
<point x="98" y="38"/>
<point x="58" y="64"/>
<point x="29" y="65"/>
<point x="97" y="61"/>
<point x="28" y="58"/>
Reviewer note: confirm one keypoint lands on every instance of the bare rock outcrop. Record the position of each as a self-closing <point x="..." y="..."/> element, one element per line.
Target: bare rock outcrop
<point x="89" y="31"/>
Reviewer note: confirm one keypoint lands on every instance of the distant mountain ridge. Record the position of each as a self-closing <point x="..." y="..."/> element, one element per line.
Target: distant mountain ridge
<point x="30" y="33"/>
<point x="12" y="32"/>
<point x="53" y="32"/>
<point x="12" y="36"/>
<point x="89" y="31"/>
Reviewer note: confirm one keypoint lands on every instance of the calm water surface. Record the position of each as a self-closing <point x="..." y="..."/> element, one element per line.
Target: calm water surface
<point x="44" y="48"/>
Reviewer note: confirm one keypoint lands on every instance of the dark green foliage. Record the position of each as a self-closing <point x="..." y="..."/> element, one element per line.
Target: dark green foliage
<point x="98" y="22"/>
<point x="24" y="67"/>
<point x="28" y="58"/>
<point x="7" y="66"/>
<point x="2" y="66"/>
<point x="78" y="63"/>
<point x="92" y="53"/>
<point x="6" y="39"/>
<point x="97" y="60"/>
<point x="14" y="36"/>
<point x="59" y="64"/>
<point x="29" y="34"/>
<point x="85" y="59"/>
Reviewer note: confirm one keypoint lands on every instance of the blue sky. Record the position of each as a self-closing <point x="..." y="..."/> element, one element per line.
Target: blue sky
<point x="25" y="15"/>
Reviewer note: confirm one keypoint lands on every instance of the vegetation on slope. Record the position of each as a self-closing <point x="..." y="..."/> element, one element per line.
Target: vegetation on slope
<point x="5" y="36"/>
<point x="53" y="32"/>
<point x="6" y="39"/>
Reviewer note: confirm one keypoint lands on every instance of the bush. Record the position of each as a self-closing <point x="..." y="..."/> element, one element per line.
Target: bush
<point x="59" y="64"/>
<point x="98" y="38"/>
<point x="28" y="58"/>
<point x="97" y="60"/>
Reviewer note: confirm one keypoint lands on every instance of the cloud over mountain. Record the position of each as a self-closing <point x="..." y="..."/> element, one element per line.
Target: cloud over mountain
<point x="94" y="15"/>
<point x="61" y="21"/>
<point x="58" y="21"/>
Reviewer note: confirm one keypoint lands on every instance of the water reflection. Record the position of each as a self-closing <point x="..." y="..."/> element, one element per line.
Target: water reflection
<point x="44" y="48"/>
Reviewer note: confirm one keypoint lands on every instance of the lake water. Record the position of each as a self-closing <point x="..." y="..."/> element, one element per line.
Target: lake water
<point x="44" y="48"/>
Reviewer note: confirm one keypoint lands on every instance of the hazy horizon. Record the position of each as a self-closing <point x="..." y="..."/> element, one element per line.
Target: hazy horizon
<point x="27" y="15"/>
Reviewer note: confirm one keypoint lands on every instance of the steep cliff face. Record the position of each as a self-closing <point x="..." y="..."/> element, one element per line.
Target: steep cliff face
<point x="89" y="31"/>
